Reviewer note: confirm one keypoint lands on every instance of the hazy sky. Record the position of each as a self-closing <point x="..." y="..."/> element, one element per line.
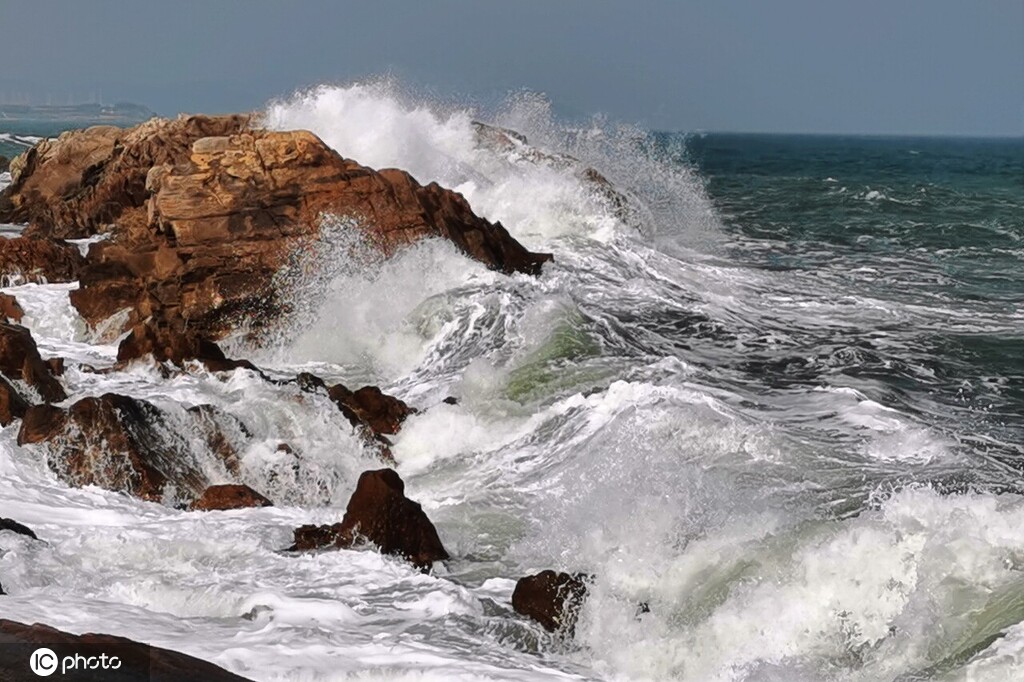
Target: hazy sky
<point x="863" y="66"/>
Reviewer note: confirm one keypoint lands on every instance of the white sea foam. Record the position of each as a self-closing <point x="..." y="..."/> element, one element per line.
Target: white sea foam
<point x="762" y="525"/>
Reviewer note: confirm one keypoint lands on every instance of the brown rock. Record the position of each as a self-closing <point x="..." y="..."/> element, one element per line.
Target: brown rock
<point x="382" y="413"/>
<point x="136" y="661"/>
<point x="229" y="496"/>
<point x="207" y="213"/>
<point x="10" y="309"/>
<point x="552" y="599"/>
<point x="24" y="259"/>
<point x="223" y="434"/>
<point x="117" y="443"/>
<point x="12" y="404"/>
<point x="73" y="186"/>
<point x="380" y="513"/>
<point x="20" y="360"/>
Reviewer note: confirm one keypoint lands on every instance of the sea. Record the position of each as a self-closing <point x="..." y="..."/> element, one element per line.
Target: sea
<point x="772" y="406"/>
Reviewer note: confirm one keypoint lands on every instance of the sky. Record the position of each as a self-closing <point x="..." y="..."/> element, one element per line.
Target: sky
<point x="806" y="66"/>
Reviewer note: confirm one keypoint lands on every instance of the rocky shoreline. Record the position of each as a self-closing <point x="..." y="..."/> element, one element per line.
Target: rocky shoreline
<point x="190" y="222"/>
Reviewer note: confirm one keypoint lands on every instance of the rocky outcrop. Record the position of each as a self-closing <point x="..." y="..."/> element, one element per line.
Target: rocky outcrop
<point x="380" y="513"/>
<point x="10" y="309"/>
<point x="552" y="599"/>
<point x="229" y="496"/>
<point x="171" y="341"/>
<point x="208" y="211"/>
<point x="374" y="414"/>
<point x="123" y="444"/>
<point x="77" y="184"/>
<point x="26" y="259"/>
<point x="381" y="413"/>
<point x="135" y="661"/>
<point x="20" y="361"/>
<point x="5" y="164"/>
<point x="13" y="405"/>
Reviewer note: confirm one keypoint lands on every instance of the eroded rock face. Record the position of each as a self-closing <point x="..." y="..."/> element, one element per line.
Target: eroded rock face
<point x="374" y="414"/>
<point x="207" y="211"/>
<point x="121" y="444"/>
<point x="136" y="661"/>
<point x="552" y="599"/>
<point x="75" y="185"/>
<point x="20" y="360"/>
<point x="10" y="309"/>
<point x="27" y="259"/>
<point x="380" y="513"/>
<point x="12" y="404"/>
<point x="381" y="413"/>
<point x="229" y="496"/>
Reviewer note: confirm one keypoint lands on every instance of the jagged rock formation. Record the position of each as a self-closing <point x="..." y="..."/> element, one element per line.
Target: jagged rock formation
<point x="10" y="309"/>
<point x="38" y="260"/>
<point x="380" y="513"/>
<point x="208" y="211"/>
<point x="126" y="445"/>
<point x="20" y="361"/>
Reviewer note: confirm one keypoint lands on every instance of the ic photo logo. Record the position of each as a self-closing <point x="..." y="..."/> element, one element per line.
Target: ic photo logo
<point x="43" y="662"/>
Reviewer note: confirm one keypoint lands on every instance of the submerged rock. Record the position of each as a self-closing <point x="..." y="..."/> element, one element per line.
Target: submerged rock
<point x="136" y="661"/>
<point x="380" y="513"/>
<point x="20" y="361"/>
<point x="121" y="444"/>
<point x="26" y="259"/>
<point x="208" y="211"/>
<point x="229" y="496"/>
<point x="552" y="599"/>
<point x="19" y="528"/>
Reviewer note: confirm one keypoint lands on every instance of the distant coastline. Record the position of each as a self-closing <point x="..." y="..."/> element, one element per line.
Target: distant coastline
<point x="94" y="114"/>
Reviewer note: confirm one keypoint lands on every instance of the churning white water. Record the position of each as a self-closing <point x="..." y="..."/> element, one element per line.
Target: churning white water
<point x="603" y="425"/>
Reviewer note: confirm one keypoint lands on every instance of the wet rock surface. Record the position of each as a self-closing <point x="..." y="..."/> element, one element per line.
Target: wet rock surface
<point x="379" y="512"/>
<point x="229" y="496"/>
<point x="552" y="599"/>
<point x="38" y="260"/>
<point x="20" y="361"/>
<point x="13" y="405"/>
<point x="15" y="527"/>
<point x="118" y="443"/>
<point x="137" y="662"/>
<point x="10" y="309"/>
<point x="203" y="212"/>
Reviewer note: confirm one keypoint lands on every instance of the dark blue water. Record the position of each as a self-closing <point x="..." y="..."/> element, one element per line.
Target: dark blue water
<point x="931" y="226"/>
